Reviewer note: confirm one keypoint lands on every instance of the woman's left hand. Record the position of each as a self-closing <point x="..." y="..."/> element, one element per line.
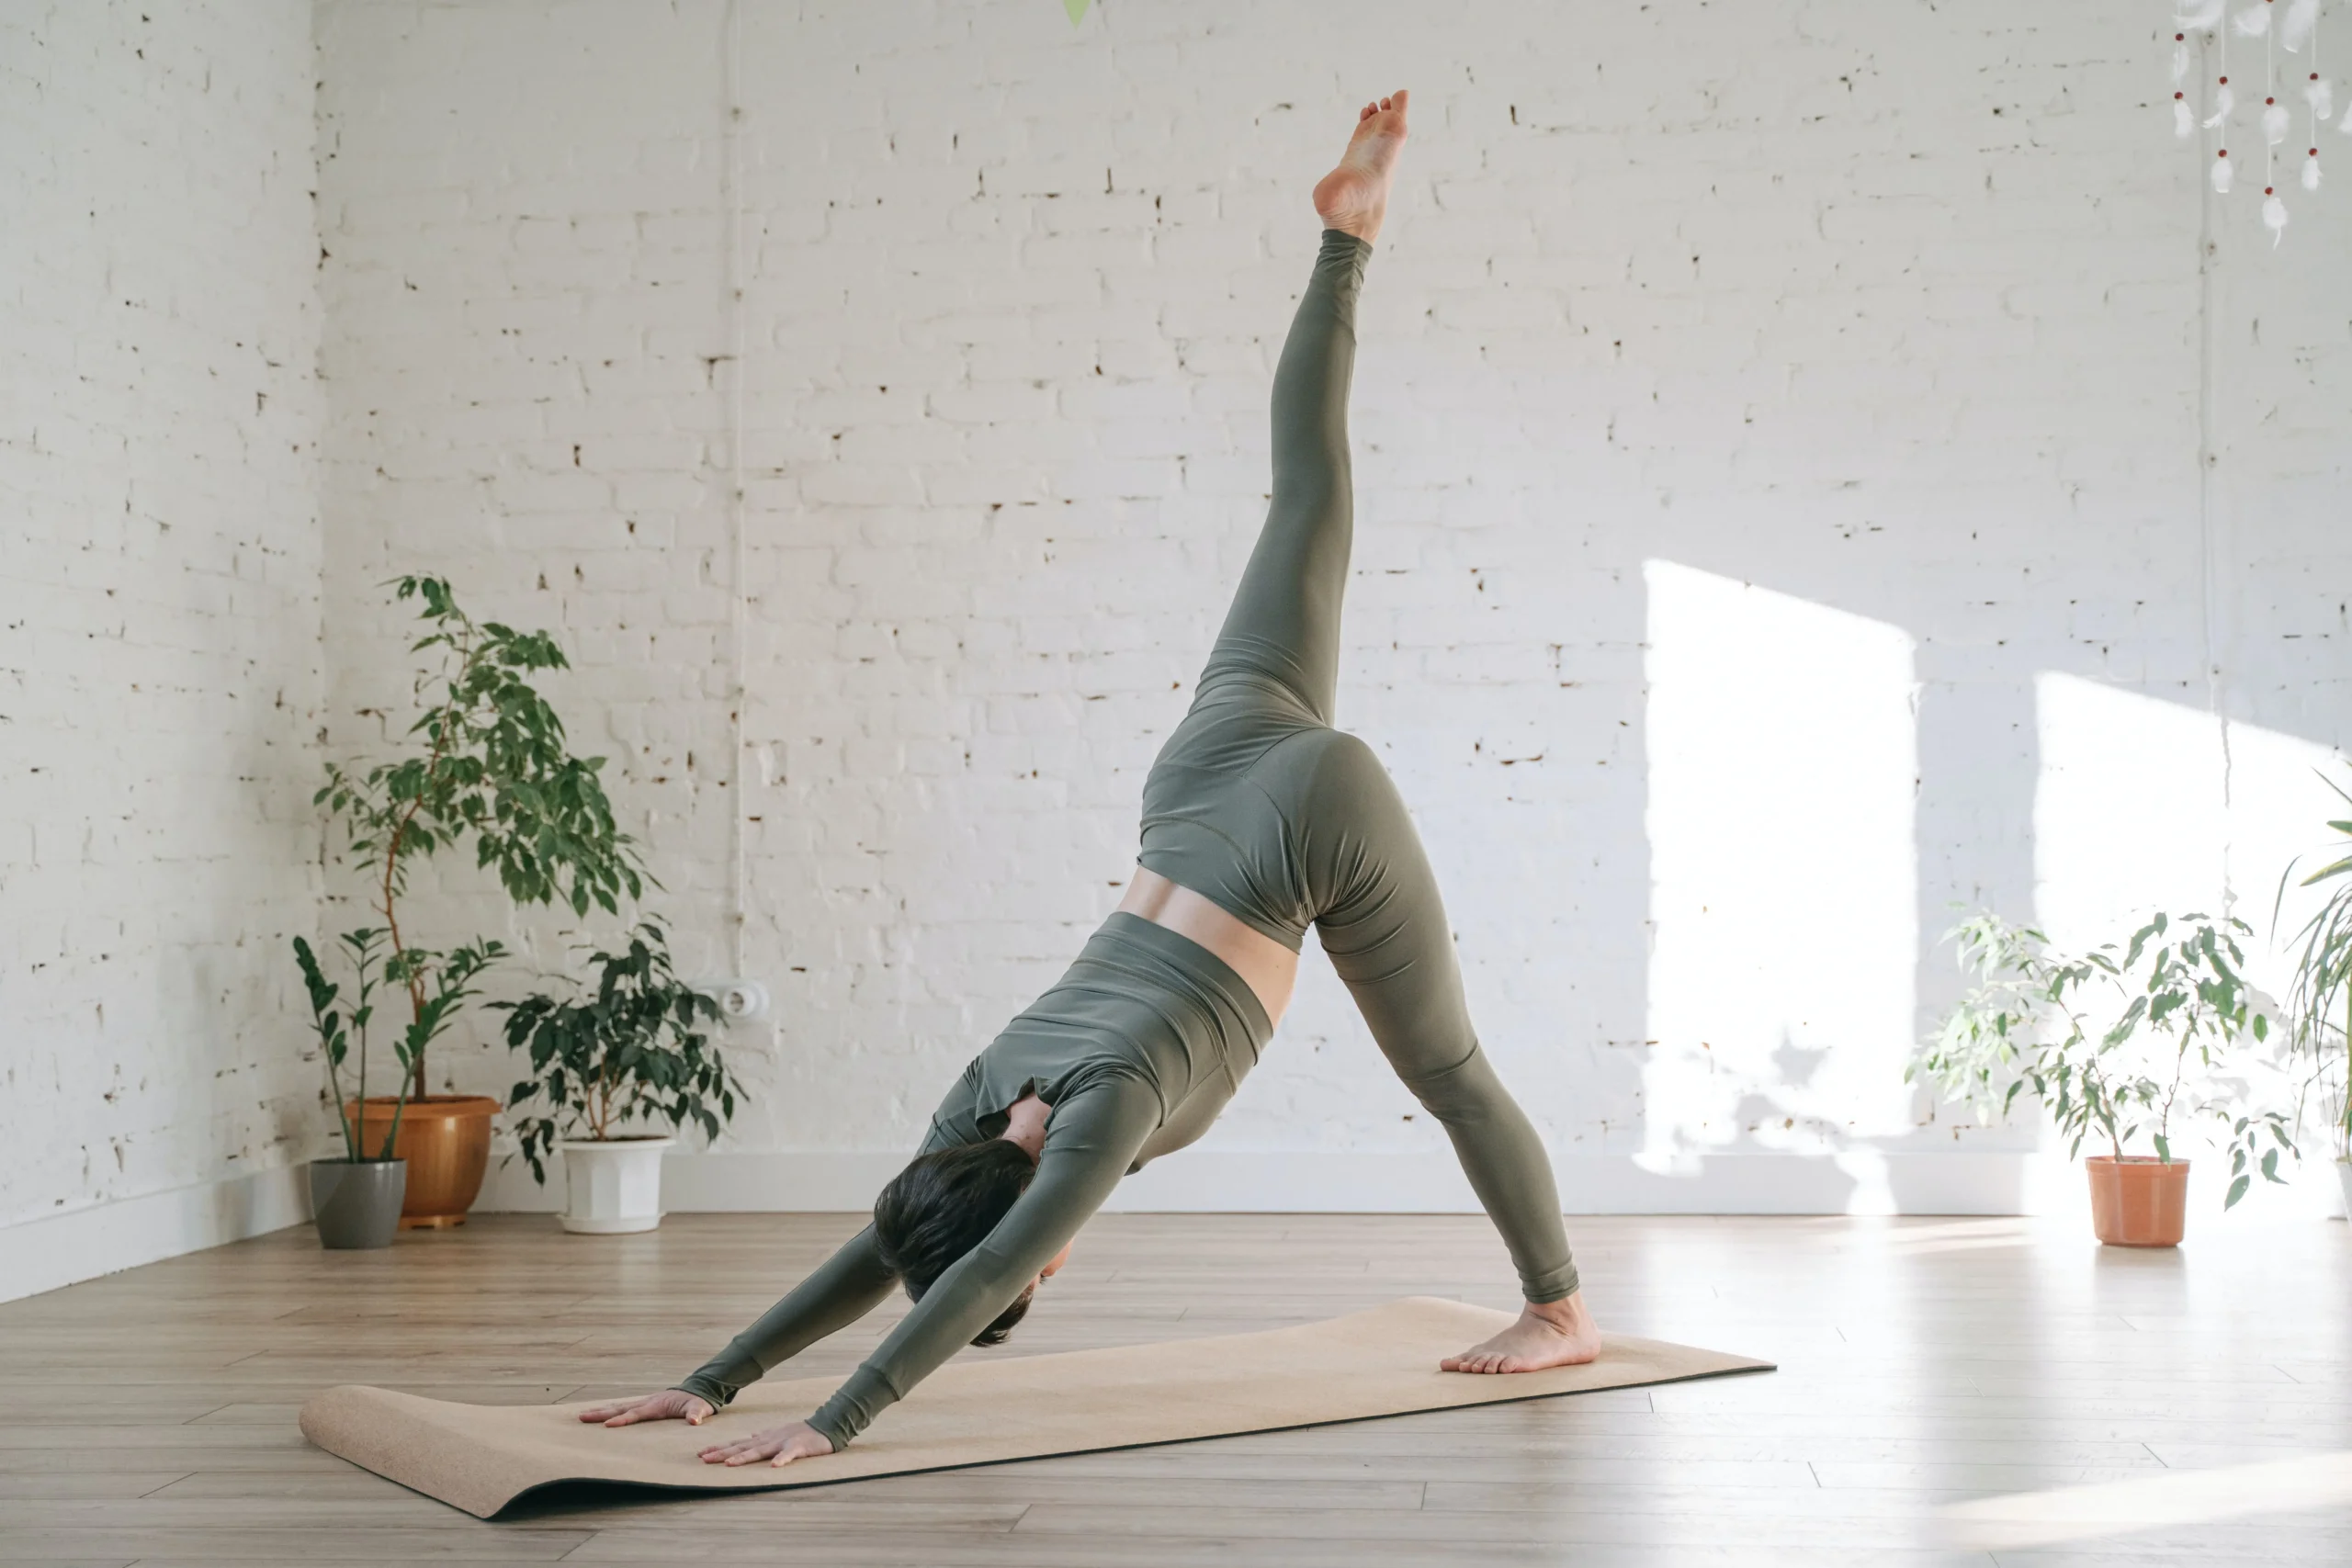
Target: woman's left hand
<point x="778" y="1445"/>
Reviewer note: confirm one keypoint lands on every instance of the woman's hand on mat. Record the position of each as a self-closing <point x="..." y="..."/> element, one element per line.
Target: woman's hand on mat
<point x="670" y="1405"/>
<point x="778" y="1445"/>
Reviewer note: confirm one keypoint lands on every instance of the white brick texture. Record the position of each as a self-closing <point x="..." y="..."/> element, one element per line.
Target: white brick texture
<point x="1881" y="323"/>
<point x="1890" y="309"/>
<point x="160" y="650"/>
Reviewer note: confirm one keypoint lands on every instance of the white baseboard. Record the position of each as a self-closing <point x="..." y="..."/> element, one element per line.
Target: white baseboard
<point x="60" y="1250"/>
<point x="1336" y="1182"/>
<point x="63" y="1249"/>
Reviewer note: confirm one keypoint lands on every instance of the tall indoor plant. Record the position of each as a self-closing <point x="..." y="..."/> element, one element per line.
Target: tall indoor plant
<point x="2118" y="1046"/>
<point x="628" y="1049"/>
<point x="2320" y="995"/>
<point x="489" y="764"/>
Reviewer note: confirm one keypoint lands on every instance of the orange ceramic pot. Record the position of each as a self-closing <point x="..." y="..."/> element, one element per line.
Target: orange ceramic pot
<point x="2137" y="1201"/>
<point x="445" y="1138"/>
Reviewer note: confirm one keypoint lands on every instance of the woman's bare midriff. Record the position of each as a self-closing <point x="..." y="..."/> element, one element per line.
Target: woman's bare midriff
<point x="1270" y="968"/>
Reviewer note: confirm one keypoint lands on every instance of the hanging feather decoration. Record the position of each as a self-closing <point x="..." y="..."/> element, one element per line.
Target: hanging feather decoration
<point x="2295" y="23"/>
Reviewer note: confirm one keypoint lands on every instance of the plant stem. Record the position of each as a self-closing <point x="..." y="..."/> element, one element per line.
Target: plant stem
<point x="392" y="850"/>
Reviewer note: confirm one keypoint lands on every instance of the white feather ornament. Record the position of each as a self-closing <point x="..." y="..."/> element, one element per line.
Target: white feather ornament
<point x="2254" y="20"/>
<point x="2320" y="93"/>
<point x="2274" y="122"/>
<point x="2179" y="61"/>
<point x="2311" y="171"/>
<point x="2344" y="122"/>
<point x="2204" y="16"/>
<point x="2184" y="122"/>
<point x="2274" y="217"/>
<point x="2223" y="102"/>
<point x="2222" y="174"/>
<point x="2303" y="16"/>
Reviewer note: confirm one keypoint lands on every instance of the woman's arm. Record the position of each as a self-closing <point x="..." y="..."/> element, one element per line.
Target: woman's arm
<point x="849" y="1284"/>
<point x="1093" y="1140"/>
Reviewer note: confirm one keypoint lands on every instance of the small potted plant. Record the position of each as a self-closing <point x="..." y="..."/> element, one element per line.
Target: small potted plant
<point x="627" y="1050"/>
<point x="488" y="762"/>
<point x="355" y="1201"/>
<point x="2117" y="1046"/>
<point x="2321" y="993"/>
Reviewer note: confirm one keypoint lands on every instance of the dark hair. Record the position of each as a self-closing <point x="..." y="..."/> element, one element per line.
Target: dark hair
<point x="943" y="1205"/>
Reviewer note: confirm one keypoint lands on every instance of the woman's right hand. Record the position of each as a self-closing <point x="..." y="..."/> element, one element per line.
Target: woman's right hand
<point x="670" y="1405"/>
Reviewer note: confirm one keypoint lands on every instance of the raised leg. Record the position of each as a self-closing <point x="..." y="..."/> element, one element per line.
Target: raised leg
<point x="1285" y="624"/>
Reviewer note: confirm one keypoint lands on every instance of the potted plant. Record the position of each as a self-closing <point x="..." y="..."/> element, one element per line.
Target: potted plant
<point x="492" y="767"/>
<point x="628" y="1050"/>
<point x="355" y="1201"/>
<point x="2321" y="993"/>
<point x="2117" y="1046"/>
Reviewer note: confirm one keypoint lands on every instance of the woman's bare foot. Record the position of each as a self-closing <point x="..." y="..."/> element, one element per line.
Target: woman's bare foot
<point x="1557" y="1333"/>
<point x="1353" y="197"/>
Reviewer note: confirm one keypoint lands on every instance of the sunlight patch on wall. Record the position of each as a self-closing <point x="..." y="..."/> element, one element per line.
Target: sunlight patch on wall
<point x="1783" y="778"/>
<point x="2127" y="812"/>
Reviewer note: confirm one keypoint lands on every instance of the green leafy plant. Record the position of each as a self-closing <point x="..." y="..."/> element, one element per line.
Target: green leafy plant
<point x="629" y="1047"/>
<point x="445" y="982"/>
<point x="2320" y="995"/>
<point x="495" y="768"/>
<point x="2116" y="1045"/>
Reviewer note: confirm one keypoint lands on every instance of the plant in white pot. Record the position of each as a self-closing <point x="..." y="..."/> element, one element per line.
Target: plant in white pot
<point x="2321" y="992"/>
<point x="626" y="1051"/>
<point x="2122" y="1046"/>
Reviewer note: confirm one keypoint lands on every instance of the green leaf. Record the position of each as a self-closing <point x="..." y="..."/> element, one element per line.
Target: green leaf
<point x="2238" y="1190"/>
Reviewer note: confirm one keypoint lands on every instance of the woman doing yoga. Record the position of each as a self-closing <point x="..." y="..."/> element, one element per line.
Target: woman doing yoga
<point x="1259" y="820"/>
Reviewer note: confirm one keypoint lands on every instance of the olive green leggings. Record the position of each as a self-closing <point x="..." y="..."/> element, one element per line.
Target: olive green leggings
<point x="1259" y="806"/>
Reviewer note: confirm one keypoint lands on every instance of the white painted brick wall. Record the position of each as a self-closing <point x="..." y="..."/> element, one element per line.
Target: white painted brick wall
<point x="160" y="669"/>
<point x="1888" y="307"/>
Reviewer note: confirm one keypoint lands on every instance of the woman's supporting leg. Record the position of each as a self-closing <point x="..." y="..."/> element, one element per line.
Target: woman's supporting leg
<point x="1285" y="624"/>
<point x="1388" y="938"/>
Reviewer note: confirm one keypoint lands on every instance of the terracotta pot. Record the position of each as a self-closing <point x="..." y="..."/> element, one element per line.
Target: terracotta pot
<point x="2137" y="1201"/>
<point x="445" y="1138"/>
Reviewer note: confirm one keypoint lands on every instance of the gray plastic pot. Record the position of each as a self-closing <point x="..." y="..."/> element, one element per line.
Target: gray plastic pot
<point x="357" y="1203"/>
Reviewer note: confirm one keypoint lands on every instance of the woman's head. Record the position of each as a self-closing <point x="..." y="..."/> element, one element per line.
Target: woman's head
<point x="943" y="1205"/>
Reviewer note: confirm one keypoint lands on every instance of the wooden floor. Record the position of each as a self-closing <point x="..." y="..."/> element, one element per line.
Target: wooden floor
<point x="150" y="1416"/>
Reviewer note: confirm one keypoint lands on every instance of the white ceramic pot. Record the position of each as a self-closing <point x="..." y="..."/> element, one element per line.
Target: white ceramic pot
<point x="612" y="1187"/>
<point x="2343" y="1176"/>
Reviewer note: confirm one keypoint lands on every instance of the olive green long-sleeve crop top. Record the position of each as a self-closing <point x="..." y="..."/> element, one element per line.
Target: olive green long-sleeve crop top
<point x="1135" y="1050"/>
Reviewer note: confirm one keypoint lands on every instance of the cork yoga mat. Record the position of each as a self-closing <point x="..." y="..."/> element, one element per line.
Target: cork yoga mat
<point x="985" y="1410"/>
